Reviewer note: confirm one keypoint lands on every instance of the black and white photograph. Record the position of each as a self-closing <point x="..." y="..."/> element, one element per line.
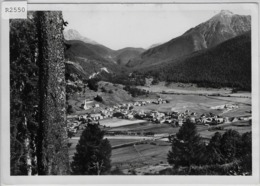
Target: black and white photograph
<point x="127" y="90"/>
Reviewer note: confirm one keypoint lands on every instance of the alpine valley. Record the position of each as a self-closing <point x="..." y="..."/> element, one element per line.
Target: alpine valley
<point x="215" y="53"/>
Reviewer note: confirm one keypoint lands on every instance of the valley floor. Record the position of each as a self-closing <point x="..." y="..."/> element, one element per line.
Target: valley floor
<point x="145" y="154"/>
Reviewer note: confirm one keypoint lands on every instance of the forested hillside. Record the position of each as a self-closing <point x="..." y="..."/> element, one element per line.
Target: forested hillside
<point x="85" y="59"/>
<point x="228" y="64"/>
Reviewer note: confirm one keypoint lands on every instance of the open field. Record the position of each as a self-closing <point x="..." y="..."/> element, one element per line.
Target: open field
<point x="187" y="88"/>
<point x="192" y="89"/>
<point x="148" y="127"/>
<point x="114" y="142"/>
<point x="240" y="126"/>
<point x="240" y="129"/>
<point x="115" y="122"/>
<point x="140" y="155"/>
<point x="200" y="104"/>
<point x="126" y="137"/>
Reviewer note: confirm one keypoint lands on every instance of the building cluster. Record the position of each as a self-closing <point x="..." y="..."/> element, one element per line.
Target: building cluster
<point x="126" y="111"/>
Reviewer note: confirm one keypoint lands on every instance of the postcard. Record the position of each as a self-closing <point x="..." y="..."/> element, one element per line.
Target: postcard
<point x="152" y="92"/>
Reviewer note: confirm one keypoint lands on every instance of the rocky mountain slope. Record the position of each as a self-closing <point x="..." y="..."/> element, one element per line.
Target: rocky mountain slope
<point x="223" y="26"/>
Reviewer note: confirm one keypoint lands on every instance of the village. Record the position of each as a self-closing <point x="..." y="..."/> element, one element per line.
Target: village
<point x="95" y="114"/>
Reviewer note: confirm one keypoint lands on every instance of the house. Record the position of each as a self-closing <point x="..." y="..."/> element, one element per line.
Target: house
<point x="187" y="112"/>
<point x="234" y="119"/>
<point x="94" y="123"/>
<point x="96" y="116"/>
<point x="226" y="120"/>
<point x="168" y="121"/>
<point x="160" y="115"/>
<point x="86" y="106"/>
<point x="246" y="118"/>
<point x="131" y="133"/>
<point x="130" y="116"/>
<point x="192" y="119"/>
<point x="137" y="104"/>
<point x="143" y="103"/>
<point x="180" y="122"/>
<point x="219" y="120"/>
<point x="161" y="121"/>
<point x="207" y="120"/>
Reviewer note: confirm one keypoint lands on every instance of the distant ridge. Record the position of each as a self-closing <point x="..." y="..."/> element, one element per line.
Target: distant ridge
<point x="124" y="55"/>
<point x="221" y="27"/>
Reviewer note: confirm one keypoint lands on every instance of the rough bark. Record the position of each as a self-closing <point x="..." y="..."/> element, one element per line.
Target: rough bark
<point x="52" y="151"/>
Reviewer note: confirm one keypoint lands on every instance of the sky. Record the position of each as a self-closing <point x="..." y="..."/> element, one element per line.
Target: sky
<point x="140" y="25"/>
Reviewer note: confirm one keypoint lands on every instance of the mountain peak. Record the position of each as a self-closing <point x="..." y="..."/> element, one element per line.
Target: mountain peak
<point x="226" y="12"/>
<point x="72" y="34"/>
<point x="223" y="15"/>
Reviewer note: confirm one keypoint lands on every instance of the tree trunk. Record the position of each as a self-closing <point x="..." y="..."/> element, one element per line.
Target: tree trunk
<point x="52" y="151"/>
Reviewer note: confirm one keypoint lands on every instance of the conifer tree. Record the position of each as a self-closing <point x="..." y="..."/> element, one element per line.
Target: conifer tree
<point x="214" y="150"/>
<point x="24" y="96"/>
<point x="246" y="151"/>
<point x="93" y="153"/>
<point x="187" y="147"/>
<point x="230" y="145"/>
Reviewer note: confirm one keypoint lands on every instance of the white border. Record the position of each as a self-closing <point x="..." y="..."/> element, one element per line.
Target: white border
<point x="5" y="111"/>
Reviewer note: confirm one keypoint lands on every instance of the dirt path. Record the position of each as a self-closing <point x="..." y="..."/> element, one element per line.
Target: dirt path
<point x="139" y="154"/>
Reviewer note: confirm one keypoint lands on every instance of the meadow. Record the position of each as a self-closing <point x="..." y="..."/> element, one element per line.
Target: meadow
<point x="137" y="156"/>
<point x="146" y="154"/>
<point x="200" y="104"/>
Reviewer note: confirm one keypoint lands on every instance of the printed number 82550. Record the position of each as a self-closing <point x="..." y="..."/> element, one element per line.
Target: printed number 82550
<point x="15" y="9"/>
